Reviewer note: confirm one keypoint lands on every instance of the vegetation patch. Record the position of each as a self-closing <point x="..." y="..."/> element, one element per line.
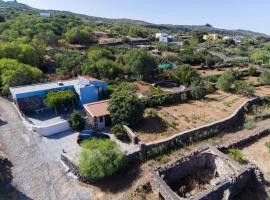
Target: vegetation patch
<point x="100" y="158"/>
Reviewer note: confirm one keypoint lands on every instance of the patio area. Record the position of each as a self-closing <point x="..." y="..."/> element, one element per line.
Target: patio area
<point x="49" y="117"/>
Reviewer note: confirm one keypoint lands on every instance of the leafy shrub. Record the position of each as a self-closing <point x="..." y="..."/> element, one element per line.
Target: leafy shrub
<point x="185" y="75"/>
<point x="226" y="80"/>
<point x="197" y="90"/>
<point x="237" y="155"/>
<point x="265" y="78"/>
<point x="76" y="121"/>
<point x="241" y="87"/>
<point x="267" y="144"/>
<point x="155" y="91"/>
<point x="80" y="35"/>
<point x="63" y="97"/>
<point x="209" y="87"/>
<point x="100" y="158"/>
<point x="13" y="73"/>
<point x="125" y="108"/>
<point x="249" y="124"/>
<point x="252" y="71"/>
<point x="119" y="132"/>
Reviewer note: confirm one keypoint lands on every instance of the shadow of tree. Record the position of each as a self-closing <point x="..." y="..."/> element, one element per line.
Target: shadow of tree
<point x="7" y="190"/>
<point x="121" y="181"/>
<point x="151" y="125"/>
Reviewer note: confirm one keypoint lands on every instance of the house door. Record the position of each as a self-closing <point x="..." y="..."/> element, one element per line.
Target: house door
<point x="101" y="122"/>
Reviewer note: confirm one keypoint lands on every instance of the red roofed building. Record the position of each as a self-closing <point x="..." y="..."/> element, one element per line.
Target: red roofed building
<point x="98" y="114"/>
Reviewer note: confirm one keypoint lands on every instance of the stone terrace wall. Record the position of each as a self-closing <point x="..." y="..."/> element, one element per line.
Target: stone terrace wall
<point x="203" y="132"/>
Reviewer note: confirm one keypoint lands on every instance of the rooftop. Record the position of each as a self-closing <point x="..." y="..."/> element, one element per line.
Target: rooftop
<point x="97" y="109"/>
<point x="42" y="86"/>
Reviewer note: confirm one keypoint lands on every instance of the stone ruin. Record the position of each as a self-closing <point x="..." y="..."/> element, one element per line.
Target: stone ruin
<point x="205" y="174"/>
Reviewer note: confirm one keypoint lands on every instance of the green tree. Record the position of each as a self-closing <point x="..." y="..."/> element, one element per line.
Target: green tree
<point x="100" y="158"/>
<point x="184" y="75"/>
<point x="103" y="69"/>
<point x="125" y="108"/>
<point x="80" y="35"/>
<point x="62" y="97"/>
<point x="76" y="121"/>
<point x="14" y="73"/>
<point x="24" y="53"/>
<point x="96" y="53"/>
<point x="140" y="64"/>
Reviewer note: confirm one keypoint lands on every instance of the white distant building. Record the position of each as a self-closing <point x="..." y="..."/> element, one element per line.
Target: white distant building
<point x="165" y="37"/>
<point x="237" y="39"/>
<point x="45" y="14"/>
<point x="159" y="35"/>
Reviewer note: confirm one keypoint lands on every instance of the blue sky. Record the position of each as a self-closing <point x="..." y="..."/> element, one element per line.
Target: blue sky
<point x="231" y="14"/>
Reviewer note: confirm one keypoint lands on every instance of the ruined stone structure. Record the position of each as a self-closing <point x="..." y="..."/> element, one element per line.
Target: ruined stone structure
<point x="205" y="174"/>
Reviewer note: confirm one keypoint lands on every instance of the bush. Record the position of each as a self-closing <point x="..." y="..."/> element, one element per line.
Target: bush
<point x="237" y="155"/>
<point x="77" y="122"/>
<point x="249" y="124"/>
<point x="241" y="87"/>
<point x="226" y="80"/>
<point x="265" y="78"/>
<point x="209" y="87"/>
<point x="14" y="73"/>
<point x="119" y="132"/>
<point x="125" y="108"/>
<point x="267" y="144"/>
<point x="63" y="97"/>
<point x="100" y="159"/>
<point x="185" y="75"/>
<point x="252" y="71"/>
<point x="197" y="90"/>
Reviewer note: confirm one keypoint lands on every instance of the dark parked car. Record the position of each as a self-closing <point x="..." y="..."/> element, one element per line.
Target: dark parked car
<point x="91" y="134"/>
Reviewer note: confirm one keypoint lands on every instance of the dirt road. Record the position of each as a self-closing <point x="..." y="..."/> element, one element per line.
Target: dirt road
<point x="36" y="176"/>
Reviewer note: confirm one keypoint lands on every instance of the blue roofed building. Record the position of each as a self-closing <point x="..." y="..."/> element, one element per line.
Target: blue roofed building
<point x="32" y="97"/>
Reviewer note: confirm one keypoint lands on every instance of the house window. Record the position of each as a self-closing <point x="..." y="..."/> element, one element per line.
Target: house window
<point x="100" y="119"/>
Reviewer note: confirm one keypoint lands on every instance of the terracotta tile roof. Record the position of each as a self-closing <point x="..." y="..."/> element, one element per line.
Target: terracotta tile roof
<point x="98" y="108"/>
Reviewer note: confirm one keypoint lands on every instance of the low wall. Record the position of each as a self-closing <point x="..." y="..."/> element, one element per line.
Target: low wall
<point x="196" y="134"/>
<point x="52" y="129"/>
<point x="240" y="142"/>
<point x="132" y="136"/>
<point x="75" y="170"/>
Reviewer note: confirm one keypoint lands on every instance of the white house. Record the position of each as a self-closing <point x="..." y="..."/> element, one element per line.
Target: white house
<point x="159" y="35"/>
<point x="45" y="14"/>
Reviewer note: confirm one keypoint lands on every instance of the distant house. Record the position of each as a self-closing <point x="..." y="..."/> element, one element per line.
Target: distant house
<point x="237" y="39"/>
<point x="210" y="37"/>
<point x="45" y="14"/>
<point x="165" y="37"/>
<point x="31" y="97"/>
<point x="98" y="114"/>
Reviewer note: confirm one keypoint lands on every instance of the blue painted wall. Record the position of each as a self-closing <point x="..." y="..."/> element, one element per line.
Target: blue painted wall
<point x="87" y="94"/>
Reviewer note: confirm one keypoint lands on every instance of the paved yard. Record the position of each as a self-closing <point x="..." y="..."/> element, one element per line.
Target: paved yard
<point x="37" y="172"/>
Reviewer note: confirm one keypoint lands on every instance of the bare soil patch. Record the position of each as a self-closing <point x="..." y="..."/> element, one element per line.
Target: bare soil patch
<point x="257" y="153"/>
<point x="185" y="116"/>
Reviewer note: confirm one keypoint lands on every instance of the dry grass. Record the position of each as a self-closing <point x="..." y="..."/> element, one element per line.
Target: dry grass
<point x="258" y="154"/>
<point x="189" y="115"/>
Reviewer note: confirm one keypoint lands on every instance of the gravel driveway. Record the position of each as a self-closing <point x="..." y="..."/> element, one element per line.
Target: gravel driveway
<point x="37" y="173"/>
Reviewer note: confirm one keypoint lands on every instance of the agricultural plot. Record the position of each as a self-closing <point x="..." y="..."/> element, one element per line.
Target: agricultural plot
<point x="165" y="121"/>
